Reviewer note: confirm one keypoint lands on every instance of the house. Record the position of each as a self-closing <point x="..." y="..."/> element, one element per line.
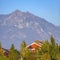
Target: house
<point x="36" y="44"/>
<point x="5" y="52"/>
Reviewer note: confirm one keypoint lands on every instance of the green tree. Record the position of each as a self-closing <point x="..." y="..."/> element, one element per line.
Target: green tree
<point x="53" y="49"/>
<point x="45" y="56"/>
<point x="13" y="53"/>
<point x="44" y="51"/>
<point x="45" y="47"/>
<point x="2" y="57"/>
<point x="1" y="49"/>
<point x="25" y="52"/>
<point x="59" y="48"/>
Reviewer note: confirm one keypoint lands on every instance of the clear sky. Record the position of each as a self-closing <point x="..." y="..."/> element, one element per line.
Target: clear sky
<point x="48" y="9"/>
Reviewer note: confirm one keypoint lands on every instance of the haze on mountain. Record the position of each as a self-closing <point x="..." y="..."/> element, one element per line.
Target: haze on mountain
<point x="18" y="26"/>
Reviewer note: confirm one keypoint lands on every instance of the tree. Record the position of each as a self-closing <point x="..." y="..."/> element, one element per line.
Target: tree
<point x="1" y="49"/>
<point x="45" y="56"/>
<point x="13" y="53"/>
<point x="45" y="47"/>
<point x="59" y="48"/>
<point x="12" y="47"/>
<point x="2" y="57"/>
<point x="53" y="49"/>
<point x="52" y="40"/>
<point x="25" y="52"/>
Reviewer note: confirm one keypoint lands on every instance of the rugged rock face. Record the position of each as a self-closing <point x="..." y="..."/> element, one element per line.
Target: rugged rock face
<point x="18" y="26"/>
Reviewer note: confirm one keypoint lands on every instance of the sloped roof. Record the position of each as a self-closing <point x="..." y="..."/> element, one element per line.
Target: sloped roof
<point x="35" y="44"/>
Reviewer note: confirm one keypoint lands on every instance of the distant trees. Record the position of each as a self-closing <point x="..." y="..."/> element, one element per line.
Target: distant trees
<point x="50" y="50"/>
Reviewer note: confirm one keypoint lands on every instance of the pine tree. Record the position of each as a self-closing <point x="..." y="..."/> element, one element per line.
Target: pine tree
<point x="53" y="49"/>
<point x="13" y="53"/>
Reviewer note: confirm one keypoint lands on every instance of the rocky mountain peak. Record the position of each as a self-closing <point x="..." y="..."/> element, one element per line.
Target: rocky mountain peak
<point x="17" y="12"/>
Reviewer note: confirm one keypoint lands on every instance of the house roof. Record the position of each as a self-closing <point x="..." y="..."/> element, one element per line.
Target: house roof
<point x="35" y="44"/>
<point x="5" y="50"/>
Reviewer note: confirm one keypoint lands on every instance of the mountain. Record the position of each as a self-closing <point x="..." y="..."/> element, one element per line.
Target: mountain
<point x="58" y="27"/>
<point x="18" y="26"/>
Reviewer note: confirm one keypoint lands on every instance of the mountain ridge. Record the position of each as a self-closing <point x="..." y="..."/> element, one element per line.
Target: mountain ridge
<point x="18" y="26"/>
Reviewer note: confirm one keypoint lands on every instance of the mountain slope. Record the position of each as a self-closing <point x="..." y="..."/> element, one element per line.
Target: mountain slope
<point x="18" y="26"/>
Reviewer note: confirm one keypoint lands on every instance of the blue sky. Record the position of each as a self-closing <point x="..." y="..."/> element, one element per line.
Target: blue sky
<point x="48" y="9"/>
